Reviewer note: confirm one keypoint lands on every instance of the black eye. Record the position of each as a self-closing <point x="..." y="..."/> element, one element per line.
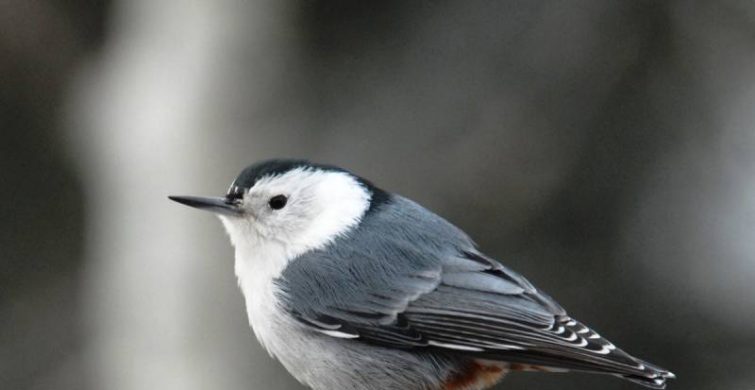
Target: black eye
<point x="277" y="202"/>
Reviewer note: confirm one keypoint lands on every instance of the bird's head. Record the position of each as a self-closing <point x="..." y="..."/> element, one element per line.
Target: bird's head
<point x="294" y="203"/>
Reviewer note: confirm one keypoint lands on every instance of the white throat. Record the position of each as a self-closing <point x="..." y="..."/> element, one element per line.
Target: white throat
<point x="331" y="204"/>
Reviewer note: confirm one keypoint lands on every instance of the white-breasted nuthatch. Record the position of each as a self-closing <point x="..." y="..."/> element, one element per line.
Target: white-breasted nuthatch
<point x="352" y="287"/>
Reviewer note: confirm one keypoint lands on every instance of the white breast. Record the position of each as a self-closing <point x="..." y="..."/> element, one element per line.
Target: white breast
<point x="311" y="360"/>
<point x="256" y="269"/>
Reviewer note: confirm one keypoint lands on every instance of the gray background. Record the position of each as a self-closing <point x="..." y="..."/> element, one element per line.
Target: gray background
<point x="605" y="149"/>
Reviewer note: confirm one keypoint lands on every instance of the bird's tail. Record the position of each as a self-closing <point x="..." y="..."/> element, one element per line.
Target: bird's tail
<point x="655" y="377"/>
<point x="580" y="348"/>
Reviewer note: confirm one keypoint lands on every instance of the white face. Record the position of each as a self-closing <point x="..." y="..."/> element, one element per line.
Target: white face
<point x="300" y="210"/>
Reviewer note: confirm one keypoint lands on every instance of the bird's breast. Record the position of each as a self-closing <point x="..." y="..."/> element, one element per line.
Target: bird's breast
<point x="256" y="268"/>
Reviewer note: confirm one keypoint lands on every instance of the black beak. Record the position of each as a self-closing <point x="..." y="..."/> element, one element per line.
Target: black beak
<point x="215" y="204"/>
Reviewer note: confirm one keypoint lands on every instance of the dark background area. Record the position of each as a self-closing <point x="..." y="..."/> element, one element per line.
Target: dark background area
<point x="604" y="149"/>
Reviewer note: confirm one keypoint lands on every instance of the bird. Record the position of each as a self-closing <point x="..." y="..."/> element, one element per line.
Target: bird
<point x="352" y="287"/>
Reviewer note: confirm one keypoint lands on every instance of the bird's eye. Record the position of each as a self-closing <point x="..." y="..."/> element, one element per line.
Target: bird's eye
<point x="277" y="202"/>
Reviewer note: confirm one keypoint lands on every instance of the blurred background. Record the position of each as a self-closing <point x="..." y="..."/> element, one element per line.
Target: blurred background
<point x="605" y="149"/>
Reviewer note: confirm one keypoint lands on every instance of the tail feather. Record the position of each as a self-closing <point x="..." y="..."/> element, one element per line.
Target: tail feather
<point x="587" y="351"/>
<point x="656" y="378"/>
<point x="638" y="371"/>
<point x="658" y="382"/>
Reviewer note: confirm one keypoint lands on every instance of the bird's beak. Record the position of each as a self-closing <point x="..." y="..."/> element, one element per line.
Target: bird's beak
<point x="216" y="205"/>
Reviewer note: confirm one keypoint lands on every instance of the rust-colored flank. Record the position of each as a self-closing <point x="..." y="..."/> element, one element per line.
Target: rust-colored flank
<point x="477" y="375"/>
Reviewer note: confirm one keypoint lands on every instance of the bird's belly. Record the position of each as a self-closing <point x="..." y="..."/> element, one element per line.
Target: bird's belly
<point x="324" y="362"/>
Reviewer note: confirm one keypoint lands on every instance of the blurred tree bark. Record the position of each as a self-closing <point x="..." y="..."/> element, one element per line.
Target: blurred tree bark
<point x="159" y="279"/>
<point x="42" y="43"/>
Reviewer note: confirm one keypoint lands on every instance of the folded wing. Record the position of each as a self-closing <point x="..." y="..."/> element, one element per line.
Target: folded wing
<point x="439" y="292"/>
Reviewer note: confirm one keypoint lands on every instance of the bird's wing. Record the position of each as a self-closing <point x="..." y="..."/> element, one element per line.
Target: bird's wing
<point x="429" y="288"/>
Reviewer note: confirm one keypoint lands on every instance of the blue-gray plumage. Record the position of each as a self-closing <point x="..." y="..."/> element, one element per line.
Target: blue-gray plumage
<point x="393" y="297"/>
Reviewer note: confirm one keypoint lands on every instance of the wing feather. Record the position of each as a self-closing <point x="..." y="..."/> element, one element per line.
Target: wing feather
<point x="430" y="288"/>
